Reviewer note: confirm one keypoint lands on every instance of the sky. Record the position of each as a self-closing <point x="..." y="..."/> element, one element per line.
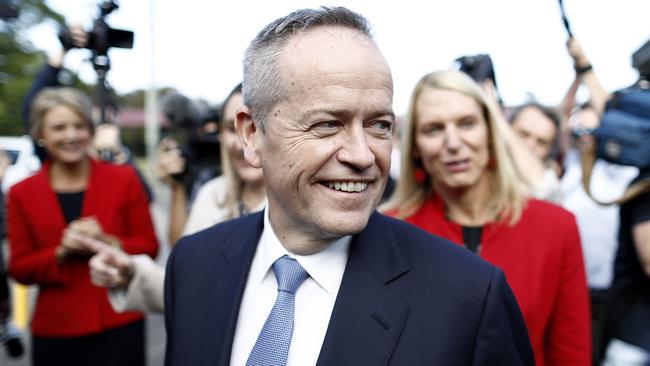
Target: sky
<point x="196" y="46"/>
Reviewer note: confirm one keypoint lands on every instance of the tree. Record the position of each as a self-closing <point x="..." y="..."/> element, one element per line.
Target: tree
<point x="19" y="61"/>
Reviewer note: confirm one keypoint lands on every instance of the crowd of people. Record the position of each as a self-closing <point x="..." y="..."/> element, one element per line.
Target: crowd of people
<point x="488" y="250"/>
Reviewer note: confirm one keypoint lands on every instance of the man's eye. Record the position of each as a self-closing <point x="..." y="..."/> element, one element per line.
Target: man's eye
<point x="382" y="126"/>
<point x="326" y="125"/>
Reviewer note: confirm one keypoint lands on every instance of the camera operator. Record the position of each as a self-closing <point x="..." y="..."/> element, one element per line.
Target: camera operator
<point x="9" y="336"/>
<point x="598" y="224"/>
<point x="106" y="144"/>
<point x="185" y="168"/>
<point x="628" y="317"/>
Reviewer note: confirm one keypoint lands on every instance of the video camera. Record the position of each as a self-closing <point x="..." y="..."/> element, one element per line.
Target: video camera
<point x="641" y="61"/>
<point x="101" y="37"/>
<point x="478" y="67"/>
<point x="201" y="148"/>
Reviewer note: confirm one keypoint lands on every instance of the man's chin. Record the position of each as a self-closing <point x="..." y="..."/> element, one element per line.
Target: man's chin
<point x="346" y="224"/>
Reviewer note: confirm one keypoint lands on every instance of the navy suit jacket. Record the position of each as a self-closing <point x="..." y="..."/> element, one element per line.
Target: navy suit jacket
<point x="406" y="298"/>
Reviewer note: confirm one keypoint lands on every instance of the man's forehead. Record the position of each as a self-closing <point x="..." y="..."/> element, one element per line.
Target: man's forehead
<point x="331" y="45"/>
<point x="333" y="56"/>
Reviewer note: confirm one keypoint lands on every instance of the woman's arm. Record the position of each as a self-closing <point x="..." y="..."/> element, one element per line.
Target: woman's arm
<point x="598" y="94"/>
<point x="641" y="235"/>
<point x="135" y="282"/>
<point x="31" y="262"/>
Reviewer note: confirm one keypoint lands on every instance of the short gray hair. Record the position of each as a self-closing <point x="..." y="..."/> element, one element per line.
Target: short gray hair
<point x="263" y="85"/>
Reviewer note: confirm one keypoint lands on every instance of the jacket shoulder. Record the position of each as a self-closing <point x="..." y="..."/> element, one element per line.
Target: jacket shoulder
<point x="432" y="253"/>
<point x="218" y="236"/>
<point x="539" y="211"/>
<point x="37" y="182"/>
<point x="114" y="170"/>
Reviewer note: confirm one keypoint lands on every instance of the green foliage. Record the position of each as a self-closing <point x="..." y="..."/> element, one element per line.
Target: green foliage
<point x="17" y="69"/>
<point x="133" y="138"/>
<point x="19" y="62"/>
<point x="136" y="98"/>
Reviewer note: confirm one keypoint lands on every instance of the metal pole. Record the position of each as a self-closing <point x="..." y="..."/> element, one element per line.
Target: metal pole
<point x="152" y="127"/>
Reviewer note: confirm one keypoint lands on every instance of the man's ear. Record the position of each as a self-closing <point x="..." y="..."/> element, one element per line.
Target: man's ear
<point x="247" y="133"/>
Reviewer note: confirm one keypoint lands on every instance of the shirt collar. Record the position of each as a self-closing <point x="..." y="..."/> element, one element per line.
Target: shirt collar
<point x="325" y="267"/>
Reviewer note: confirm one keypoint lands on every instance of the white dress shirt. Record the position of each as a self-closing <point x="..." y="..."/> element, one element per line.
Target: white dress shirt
<point x="314" y="299"/>
<point x="598" y="225"/>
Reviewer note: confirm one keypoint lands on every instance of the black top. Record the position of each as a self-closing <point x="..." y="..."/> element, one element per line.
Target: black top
<point x="71" y="204"/>
<point x="472" y="237"/>
<point x="631" y="315"/>
<point x="628" y="273"/>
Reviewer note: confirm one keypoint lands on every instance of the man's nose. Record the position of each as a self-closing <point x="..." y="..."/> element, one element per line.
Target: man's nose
<point x="356" y="151"/>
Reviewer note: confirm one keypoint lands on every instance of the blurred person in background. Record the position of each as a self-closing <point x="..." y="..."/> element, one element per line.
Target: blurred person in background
<point x="459" y="181"/>
<point x="190" y="150"/>
<point x="538" y="126"/>
<point x="51" y="215"/>
<point x="530" y="138"/>
<point x="598" y="224"/>
<point x="628" y="320"/>
<point x="627" y="317"/>
<point x="136" y="282"/>
<point x="8" y="335"/>
<point x="106" y="143"/>
<point x="238" y="191"/>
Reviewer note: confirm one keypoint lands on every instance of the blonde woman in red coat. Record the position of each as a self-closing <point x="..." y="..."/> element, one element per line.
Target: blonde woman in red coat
<point x="49" y="214"/>
<point x="459" y="181"/>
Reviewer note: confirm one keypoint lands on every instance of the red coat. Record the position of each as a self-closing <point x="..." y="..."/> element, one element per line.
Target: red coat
<point x="68" y="303"/>
<point x="542" y="259"/>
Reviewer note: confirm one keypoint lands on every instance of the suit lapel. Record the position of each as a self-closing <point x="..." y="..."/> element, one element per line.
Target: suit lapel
<point x="228" y="279"/>
<point x="368" y="318"/>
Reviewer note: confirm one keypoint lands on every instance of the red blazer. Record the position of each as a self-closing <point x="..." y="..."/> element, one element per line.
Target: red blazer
<point x="542" y="259"/>
<point x="68" y="303"/>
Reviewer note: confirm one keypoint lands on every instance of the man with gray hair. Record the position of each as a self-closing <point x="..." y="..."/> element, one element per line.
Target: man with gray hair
<point x="321" y="278"/>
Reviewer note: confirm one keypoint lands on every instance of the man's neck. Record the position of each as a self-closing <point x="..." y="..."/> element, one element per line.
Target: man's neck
<point x="298" y="240"/>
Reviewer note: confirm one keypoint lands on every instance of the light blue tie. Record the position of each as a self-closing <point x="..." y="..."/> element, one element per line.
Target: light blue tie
<point x="272" y="345"/>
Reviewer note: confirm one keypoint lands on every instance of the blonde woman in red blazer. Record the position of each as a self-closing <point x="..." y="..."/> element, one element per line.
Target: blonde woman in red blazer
<point x="73" y="198"/>
<point x="458" y="180"/>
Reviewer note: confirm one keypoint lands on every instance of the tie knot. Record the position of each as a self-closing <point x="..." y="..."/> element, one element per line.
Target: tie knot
<point x="289" y="274"/>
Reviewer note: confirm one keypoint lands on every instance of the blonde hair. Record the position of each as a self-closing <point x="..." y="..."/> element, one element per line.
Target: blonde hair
<point x="55" y="97"/>
<point x="507" y="196"/>
<point x="234" y="183"/>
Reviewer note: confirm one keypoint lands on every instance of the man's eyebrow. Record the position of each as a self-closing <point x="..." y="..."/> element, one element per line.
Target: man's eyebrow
<point x="383" y="113"/>
<point x="343" y="113"/>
